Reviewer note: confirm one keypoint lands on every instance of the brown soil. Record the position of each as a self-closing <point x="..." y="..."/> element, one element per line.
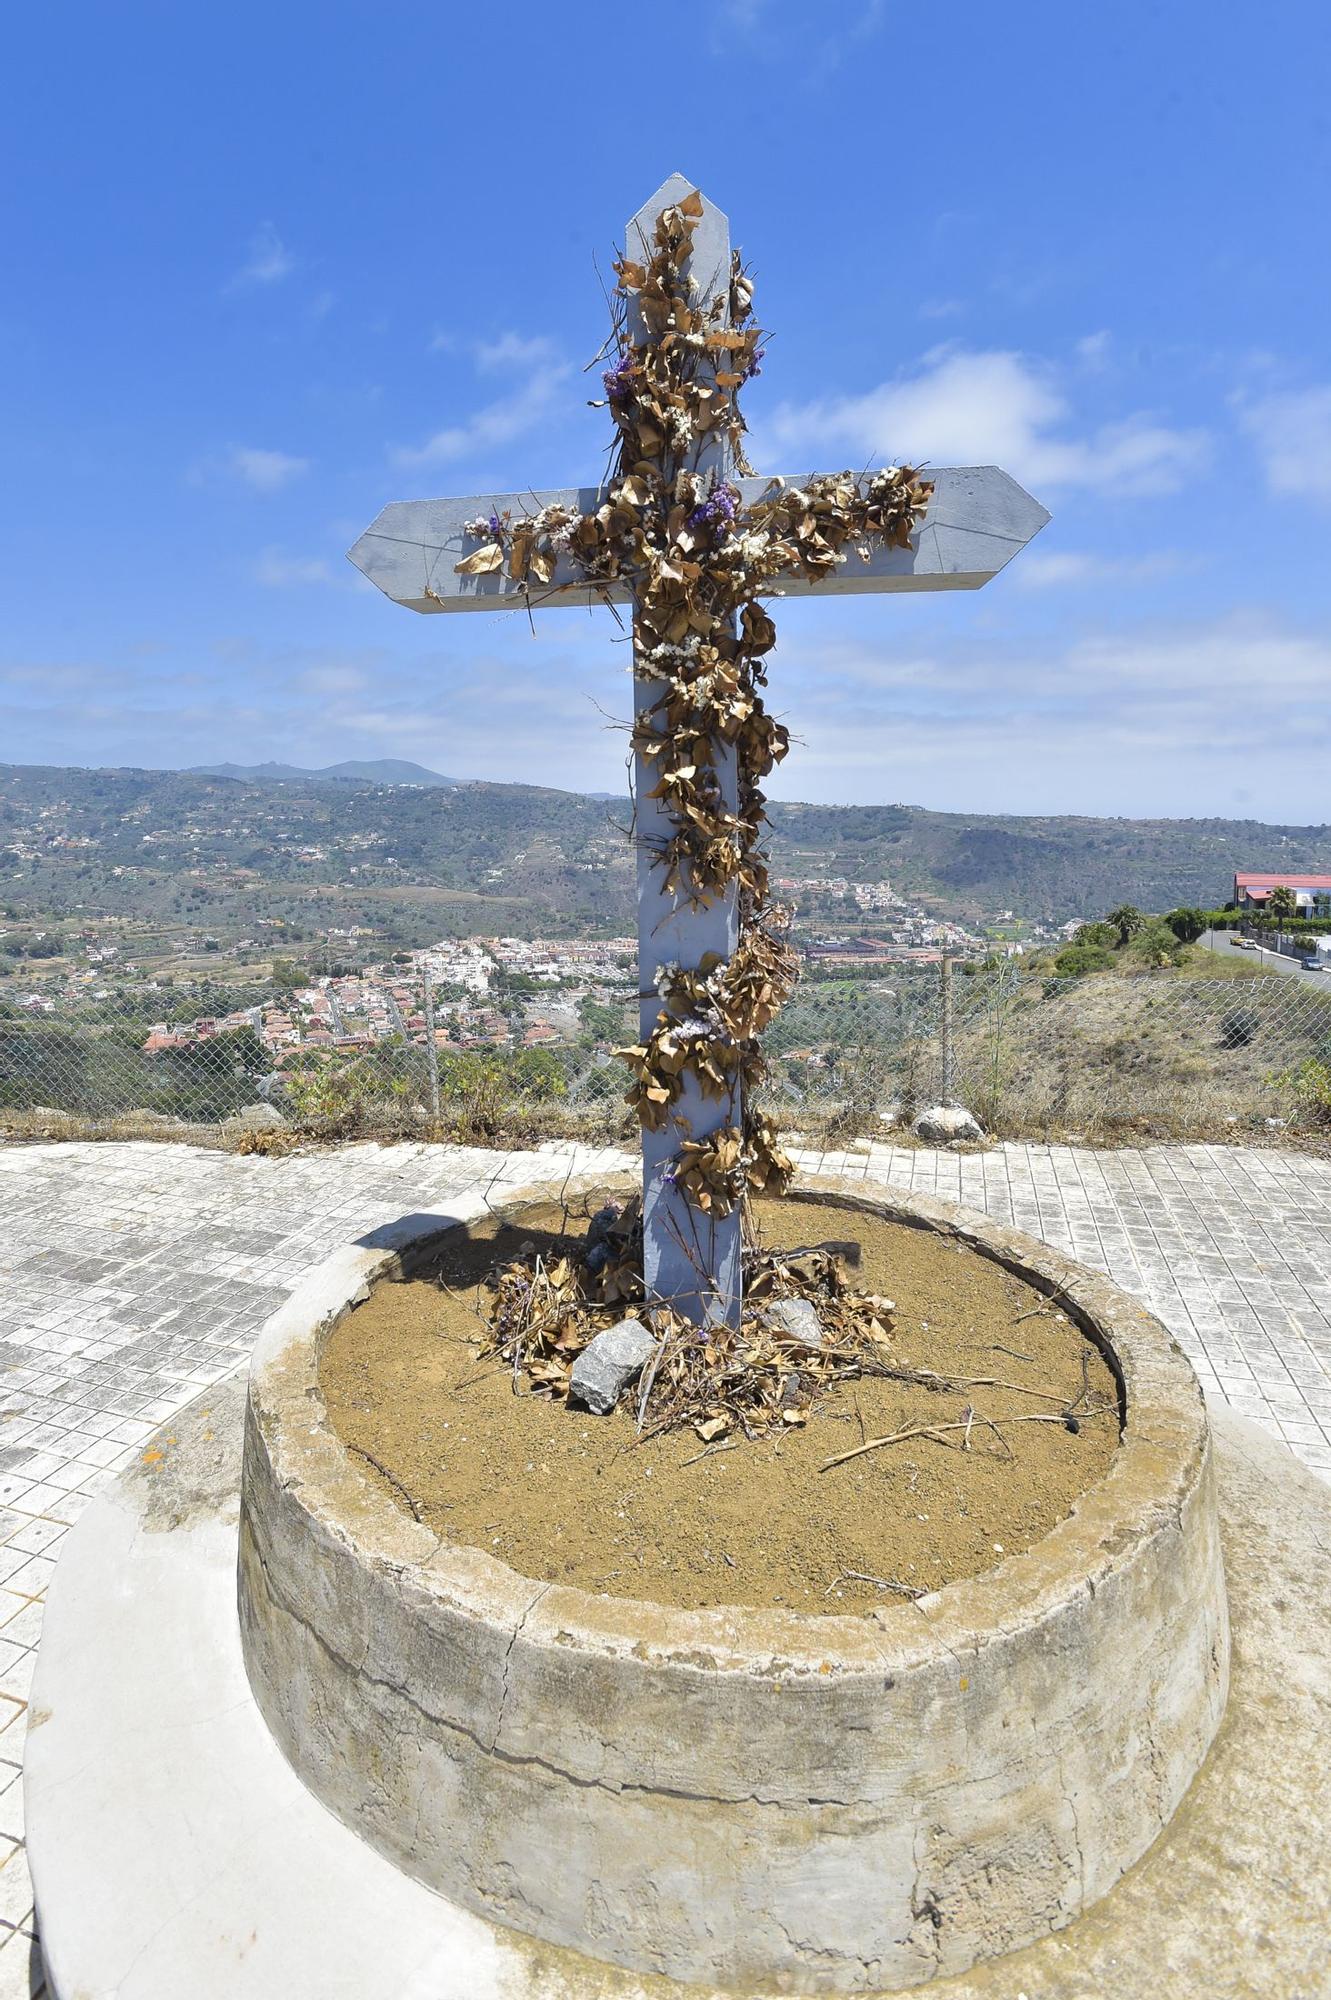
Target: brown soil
<point x="563" y="1496"/>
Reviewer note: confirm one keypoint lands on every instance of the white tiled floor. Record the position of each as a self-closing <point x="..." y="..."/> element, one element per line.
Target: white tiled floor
<point x="132" y="1276"/>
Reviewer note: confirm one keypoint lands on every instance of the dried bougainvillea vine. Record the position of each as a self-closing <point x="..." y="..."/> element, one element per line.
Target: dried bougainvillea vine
<point x="699" y="562"/>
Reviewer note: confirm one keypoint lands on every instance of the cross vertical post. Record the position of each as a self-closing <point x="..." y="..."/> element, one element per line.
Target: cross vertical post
<point x="691" y="1260"/>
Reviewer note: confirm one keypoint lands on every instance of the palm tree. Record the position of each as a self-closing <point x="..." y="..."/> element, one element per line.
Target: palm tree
<point x="1127" y="920"/>
<point x="1282" y="905"/>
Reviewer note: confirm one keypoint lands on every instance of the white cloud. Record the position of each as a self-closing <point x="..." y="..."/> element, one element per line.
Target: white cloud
<point x="269" y="260"/>
<point x="538" y="373"/>
<point x="333" y="680"/>
<point x="981" y="408"/>
<point x="1167" y="721"/>
<point x="266" y="471"/>
<point x="1160" y="719"/>
<point x="853" y="24"/>
<point x="1247" y="653"/>
<point x="278" y="570"/>
<point x="1093" y="350"/>
<point x="1037" y="571"/>
<point x="1269" y="666"/>
<point x="1293" y="435"/>
<point x="514" y="350"/>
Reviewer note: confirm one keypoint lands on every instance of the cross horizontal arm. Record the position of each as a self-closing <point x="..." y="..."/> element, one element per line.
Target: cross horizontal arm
<point x="978" y="519"/>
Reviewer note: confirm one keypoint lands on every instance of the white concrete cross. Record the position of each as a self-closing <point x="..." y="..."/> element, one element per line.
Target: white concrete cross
<point x="976" y="522"/>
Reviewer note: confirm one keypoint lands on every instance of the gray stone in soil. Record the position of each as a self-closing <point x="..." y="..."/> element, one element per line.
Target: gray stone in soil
<point x="259" y="1117"/>
<point x="608" y="1363"/>
<point x="798" y="1320"/>
<point x="942" y="1124"/>
<point x="790" y="1395"/>
<point x="599" y="1233"/>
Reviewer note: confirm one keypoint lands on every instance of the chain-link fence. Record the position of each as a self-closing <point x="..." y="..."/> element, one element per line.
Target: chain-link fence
<point x="1154" y="1054"/>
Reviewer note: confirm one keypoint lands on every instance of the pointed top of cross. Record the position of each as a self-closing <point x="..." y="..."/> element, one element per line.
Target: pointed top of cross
<point x="673" y="190"/>
<point x="709" y="254"/>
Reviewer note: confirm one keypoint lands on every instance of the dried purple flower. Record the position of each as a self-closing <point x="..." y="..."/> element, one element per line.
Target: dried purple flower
<point x="717" y="511"/>
<point x="617" y="384"/>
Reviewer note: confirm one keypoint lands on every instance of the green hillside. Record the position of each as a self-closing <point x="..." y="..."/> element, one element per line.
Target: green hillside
<point x="419" y="860"/>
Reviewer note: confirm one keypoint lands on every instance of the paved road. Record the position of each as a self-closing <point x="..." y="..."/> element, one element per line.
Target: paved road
<point x="1222" y="943"/>
<point x="134" y="1276"/>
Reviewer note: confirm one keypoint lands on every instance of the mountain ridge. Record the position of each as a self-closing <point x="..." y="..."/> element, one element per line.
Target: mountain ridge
<point x="503" y="855"/>
<point x="353" y="770"/>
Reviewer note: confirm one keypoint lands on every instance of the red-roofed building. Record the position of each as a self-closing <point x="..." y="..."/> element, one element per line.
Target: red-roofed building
<point x="1312" y="893"/>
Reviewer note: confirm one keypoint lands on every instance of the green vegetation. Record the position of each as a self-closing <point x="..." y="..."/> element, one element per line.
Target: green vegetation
<point x="1187" y="924"/>
<point x="1125" y="922"/>
<point x="603" y="1023"/>
<point x="106" y="1072"/>
<point x="1309" y="1086"/>
<point x="482" y="1096"/>
<point x="1282" y="904"/>
<point x="1079" y="959"/>
<point x="414" y="863"/>
<point x="1126" y="941"/>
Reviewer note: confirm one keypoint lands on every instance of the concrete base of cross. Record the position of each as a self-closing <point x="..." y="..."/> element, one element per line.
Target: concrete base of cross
<point x="175" y="1852"/>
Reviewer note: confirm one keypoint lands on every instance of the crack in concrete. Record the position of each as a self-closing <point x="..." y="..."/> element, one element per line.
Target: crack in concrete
<point x="521" y="1760"/>
<point x="1069" y="1793"/>
<point x="518" y="1630"/>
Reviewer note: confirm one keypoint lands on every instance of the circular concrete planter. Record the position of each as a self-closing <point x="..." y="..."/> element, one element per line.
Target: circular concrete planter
<point x="826" y="1804"/>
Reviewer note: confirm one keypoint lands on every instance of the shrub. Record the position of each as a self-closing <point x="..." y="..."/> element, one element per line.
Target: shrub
<point x="1238" y="1028"/>
<point x="1158" y="944"/>
<point x="1079" y="959"/>
<point x="1187" y="924"/>
<point x="1310" y="1087"/>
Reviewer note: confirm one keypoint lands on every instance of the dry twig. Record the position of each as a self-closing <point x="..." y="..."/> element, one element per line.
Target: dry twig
<point x="879" y="1582"/>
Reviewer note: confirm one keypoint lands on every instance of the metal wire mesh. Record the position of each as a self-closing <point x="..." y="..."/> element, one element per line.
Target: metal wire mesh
<point x="1155" y="1052"/>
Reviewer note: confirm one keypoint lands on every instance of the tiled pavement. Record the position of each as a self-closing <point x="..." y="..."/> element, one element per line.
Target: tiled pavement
<point x="132" y="1276"/>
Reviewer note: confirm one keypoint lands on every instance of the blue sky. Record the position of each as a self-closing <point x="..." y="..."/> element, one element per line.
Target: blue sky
<point x="267" y="268"/>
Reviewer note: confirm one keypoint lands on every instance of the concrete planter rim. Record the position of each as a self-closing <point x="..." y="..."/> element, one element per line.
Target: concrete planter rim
<point x="1162" y="1454"/>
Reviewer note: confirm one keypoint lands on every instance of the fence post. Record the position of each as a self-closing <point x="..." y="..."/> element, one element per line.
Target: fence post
<point x="945" y="971"/>
<point x="431" y="1046"/>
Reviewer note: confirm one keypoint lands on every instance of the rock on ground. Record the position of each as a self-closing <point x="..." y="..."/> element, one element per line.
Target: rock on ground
<point x="608" y="1363"/>
<point x="257" y="1118"/>
<point x="599" y="1234"/>
<point x="797" y="1319"/>
<point x="944" y="1123"/>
